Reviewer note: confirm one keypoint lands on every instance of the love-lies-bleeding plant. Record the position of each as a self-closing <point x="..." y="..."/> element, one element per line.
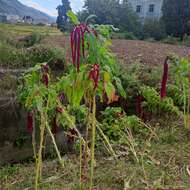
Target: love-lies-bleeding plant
<point x="90" y="75"/>
<point x="181" y="78"/>
<point x="164" y="79"/>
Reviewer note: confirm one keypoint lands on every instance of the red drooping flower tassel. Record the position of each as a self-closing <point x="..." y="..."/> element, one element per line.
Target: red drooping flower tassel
<point x="59" y="110"/>
<point x="62" y="97"/>
<point x="45" y="79"/>
<point x="30" y="122"/>
<point x="45" y="75"/>
<point x="94" y="75"/>
<point x="45" y="68"/>
<point x="77" y="42"/>
<point x="55" y="126"/>
<point x="164" y="79"/>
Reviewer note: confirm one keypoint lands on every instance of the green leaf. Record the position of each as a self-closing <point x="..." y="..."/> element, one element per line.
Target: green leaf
<point x="90" y="17"/>
<point x="110" y="91"/>
<point x="120" y="88"/>
<point x="73" y="17"/>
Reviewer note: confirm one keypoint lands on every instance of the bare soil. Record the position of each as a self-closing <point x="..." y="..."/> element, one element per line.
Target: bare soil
<point x="152" y="53"/>
<point x="129" y="51"/>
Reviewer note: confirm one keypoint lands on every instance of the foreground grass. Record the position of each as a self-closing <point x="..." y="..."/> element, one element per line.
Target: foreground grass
<point x="23" y="30"/>
<point x="164" y="164"/>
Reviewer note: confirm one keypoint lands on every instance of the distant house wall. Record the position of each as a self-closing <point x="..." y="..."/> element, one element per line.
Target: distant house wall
<point x="147" y="9"/>
<point x="13" y="18"/>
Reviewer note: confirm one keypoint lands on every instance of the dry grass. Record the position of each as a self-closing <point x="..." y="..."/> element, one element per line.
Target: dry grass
<point x="165" y="165"/>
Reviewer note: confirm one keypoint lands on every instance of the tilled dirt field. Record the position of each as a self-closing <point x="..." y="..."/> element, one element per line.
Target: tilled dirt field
<point x="146" y="52"/>
<point x="128" y="51"/>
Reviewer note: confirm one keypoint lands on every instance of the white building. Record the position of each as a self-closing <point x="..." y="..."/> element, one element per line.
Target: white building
<point x="147" y="9"/>
<point x="13" y="18"/>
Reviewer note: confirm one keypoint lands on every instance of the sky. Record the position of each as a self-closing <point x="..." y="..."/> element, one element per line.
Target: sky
<point x="49" y="6"/>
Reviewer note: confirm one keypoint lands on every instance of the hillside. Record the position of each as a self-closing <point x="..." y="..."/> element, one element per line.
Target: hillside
<point x="16" y="8"/>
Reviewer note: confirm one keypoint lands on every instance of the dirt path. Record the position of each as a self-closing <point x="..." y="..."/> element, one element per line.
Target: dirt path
<point x="128" y="51"/>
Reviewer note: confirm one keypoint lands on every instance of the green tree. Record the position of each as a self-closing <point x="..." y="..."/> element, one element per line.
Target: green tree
<point x="153" y="29"/>
<point x="128" y="20"/>
<point x="114" y="12"/>
<point x="176" y="17"/>
<point x="62" y="19"/>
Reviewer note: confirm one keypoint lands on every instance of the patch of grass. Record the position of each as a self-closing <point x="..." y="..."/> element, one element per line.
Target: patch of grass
<point x="164" y="165"/>
<point x="11" y="57"/>
<point x="22" y="30"/>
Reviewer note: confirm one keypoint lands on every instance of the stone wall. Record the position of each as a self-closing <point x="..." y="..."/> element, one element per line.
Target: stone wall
<point x="15" y="142"/>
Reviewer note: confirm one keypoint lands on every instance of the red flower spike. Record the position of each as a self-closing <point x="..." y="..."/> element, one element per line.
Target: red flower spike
<point x="30" y="122"/>
<point x="45" y="79"/>
<point x="59" y="110"/>
<point x="164" y="80"/>
<point x="83" y="54"/>
<point x="45" y="68"/>
<point x="55" y="126"/>
<point x="45" y="76"/>
<point x="94" y="75"/>
<point x="78" y="49"/>
<point x="77" y="43"/>
<point x="72" y="45"/>
<point x="61" y="96"/>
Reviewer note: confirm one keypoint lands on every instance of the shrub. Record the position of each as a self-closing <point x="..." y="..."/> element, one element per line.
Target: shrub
<point x="123" y="35"/>
<point x="171" y="40"/>
<point x="130" y="36"/>
<point x="30" y="40"/>
<point x="186" y="40"/>
<point x="10" y="57"/>
<point x="153" y="29"/>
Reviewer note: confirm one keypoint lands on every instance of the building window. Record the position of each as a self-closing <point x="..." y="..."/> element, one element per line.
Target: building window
<point x="151" y="8"/>
<point x="138" y="9"/>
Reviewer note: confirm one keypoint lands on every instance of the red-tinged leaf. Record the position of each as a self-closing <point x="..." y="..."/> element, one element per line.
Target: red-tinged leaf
<point x="45" y="79"/>
<point x="59" y="110"/>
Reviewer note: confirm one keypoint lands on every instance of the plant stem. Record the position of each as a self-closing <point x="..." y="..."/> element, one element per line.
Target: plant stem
<point x="55" y="145"/>
<point x="105" y="138"/>
<point x="39" y="159"/>
<point x="80" y="164"/>
<point x="93" y="141"/>
<point x="188" y="109"/>
<point x="184" y="106"/>
<point x="34" y="139"/>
